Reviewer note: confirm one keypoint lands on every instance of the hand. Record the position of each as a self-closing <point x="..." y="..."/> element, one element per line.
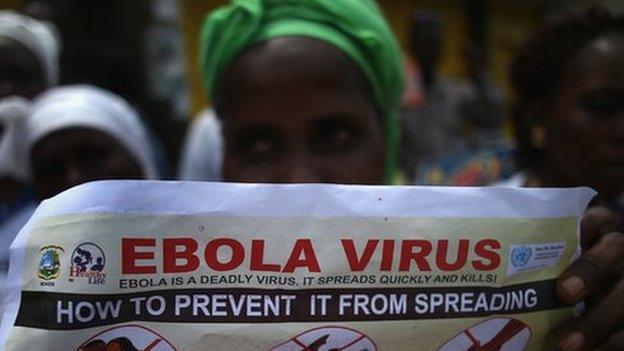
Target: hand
<point x="597" y="278"/>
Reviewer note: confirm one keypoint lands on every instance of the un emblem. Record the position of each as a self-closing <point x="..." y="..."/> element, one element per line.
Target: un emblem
<point x="520" y="255"/>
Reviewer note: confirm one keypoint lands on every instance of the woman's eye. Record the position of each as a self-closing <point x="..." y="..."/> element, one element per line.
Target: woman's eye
<point x="261" y="147"/>
<point x="257" y="148"/>
<point x="92" y="153"/>
<point x="604" y="106"/>
<point x="335" y="136"/>
<point x="23" y="77"/>
<point x="53" y="168"/>
<point x="340" y="139"/>
<point x="342" y="136"/>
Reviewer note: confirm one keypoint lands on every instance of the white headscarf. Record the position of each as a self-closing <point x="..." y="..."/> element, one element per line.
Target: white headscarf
<point x="202" y="154"/>
<point x="13" y="111"/>
<point x="38" y="37"/>
<point x="91" y="107"/>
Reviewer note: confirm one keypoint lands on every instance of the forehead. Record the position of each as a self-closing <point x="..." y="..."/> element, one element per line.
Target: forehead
<point x="598" y="64"/>
<point x="14" y="54"/>
<point x="293" y="74"/>
<point x="62" y="139"/>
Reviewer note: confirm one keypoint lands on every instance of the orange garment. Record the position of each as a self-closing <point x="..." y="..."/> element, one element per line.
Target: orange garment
<point x="413" y="95"/>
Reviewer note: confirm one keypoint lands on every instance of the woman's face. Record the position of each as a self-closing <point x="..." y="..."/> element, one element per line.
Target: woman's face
<point x="21" y="73"/>
<point x="298" y="110"/>
<point x="585" y="125"/>
<point x="74" y="156"/>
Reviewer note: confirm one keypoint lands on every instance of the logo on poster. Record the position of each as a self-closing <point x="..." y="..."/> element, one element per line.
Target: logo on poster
<point x="50" y="263"/>
<point x="87" y="262"/>
<point x="521" y="255"/>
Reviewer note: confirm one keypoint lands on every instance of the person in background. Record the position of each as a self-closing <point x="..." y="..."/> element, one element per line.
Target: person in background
<point x="29" y="64"/>
<point x="482" y="108"/>
<point x="17" y="203"/>
<point x="436" y="126"/>
<point x="413" y="94"/>
<point x="77" y="134"/>
<point x="29" y="55"/>
<point x="202" y="154"/>
<point x="569" y="127"/>
<point x="13" y="175"/>
<point x="310" y="90"/>
<point x="569" y="116"/>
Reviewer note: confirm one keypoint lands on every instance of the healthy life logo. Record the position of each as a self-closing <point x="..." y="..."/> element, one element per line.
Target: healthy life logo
<point x="50" y="263"/>
<point x="87" y="263"/>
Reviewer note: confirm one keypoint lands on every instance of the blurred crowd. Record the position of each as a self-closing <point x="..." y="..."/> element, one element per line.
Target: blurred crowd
<point x="291" y="99"/>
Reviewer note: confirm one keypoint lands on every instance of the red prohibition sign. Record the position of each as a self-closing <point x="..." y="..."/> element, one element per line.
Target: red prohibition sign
<point x="330" y="338"/>
<point x="127" y="338"/>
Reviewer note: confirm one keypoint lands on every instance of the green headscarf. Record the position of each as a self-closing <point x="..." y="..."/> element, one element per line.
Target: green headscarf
<point x="356" y="27"/>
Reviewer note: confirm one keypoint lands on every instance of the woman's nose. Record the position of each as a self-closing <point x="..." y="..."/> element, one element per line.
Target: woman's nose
<point x="301" y="169"/>
<point x="74" y="174"/>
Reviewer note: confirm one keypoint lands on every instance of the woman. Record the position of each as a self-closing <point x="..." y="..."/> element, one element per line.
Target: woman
<point x="73" y="135"/>
<point x="29" y="55"/>
<point x="308" y="90"/>
<point x="569" y="79"/>
<point x="77" y="134"/>
<point x="29" y="64"/>
<point x="569" y="118"/>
